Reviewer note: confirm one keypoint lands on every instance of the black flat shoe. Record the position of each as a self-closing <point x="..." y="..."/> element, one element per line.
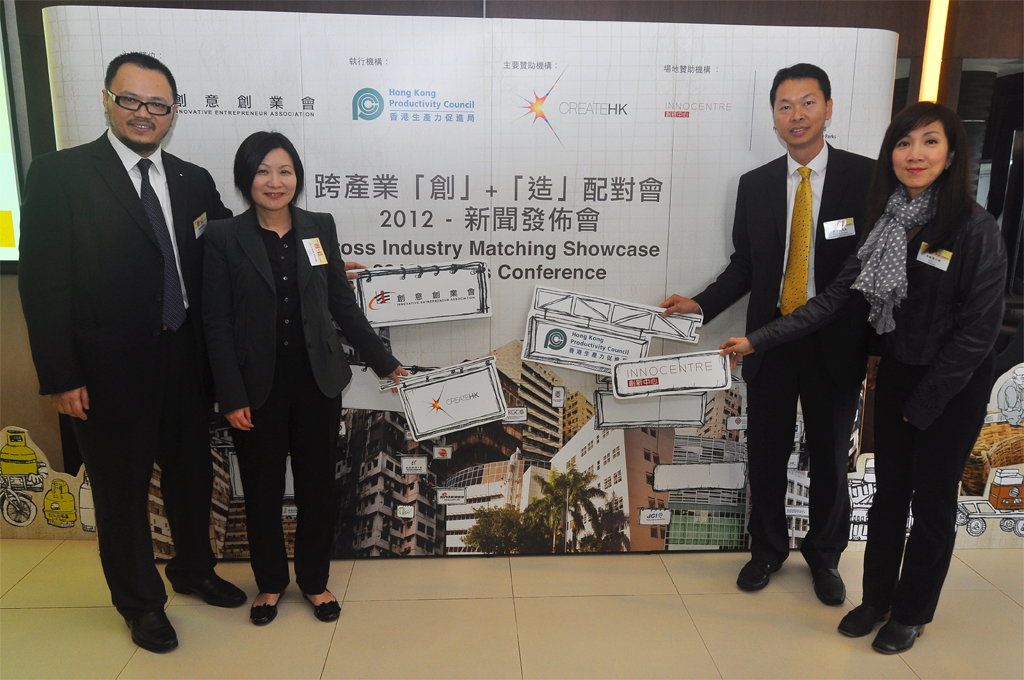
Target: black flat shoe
<point x="325" y="611"/>
<point x="829" y="586"/>
<point x="894" y="637"/>
<point x="153" y="632"/>
<point x="211" y="588"/>
<point x="262" y="614"/>
<point x="861" y="620"/>
<point x="754" y="575"/>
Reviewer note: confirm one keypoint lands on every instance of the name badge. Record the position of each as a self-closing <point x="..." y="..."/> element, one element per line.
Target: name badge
<point x="199" y="225"/>
<point x="315" y="251"/>
<point x="939" y="259"/>
<point x="839" y="229"/>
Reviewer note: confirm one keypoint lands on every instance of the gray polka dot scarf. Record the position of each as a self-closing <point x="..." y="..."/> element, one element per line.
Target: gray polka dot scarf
<point x="883" y="257"/>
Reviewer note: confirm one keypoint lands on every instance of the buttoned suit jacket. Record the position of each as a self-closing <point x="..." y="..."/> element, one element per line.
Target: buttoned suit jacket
<point x="91" y="274"/>
<point x="759" y="250"/>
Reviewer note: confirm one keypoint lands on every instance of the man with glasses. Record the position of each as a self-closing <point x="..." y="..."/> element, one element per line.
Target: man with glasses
<point x="110" y="278"/>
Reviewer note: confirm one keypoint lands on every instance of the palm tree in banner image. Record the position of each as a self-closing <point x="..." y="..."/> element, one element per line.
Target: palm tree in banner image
<point x="568" y="495"/>
<point x="609" y="532"/>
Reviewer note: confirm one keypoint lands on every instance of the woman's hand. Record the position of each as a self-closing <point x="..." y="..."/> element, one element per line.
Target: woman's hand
<point x="396" y="376"/>
<point x="240" y="418"/>
<point x="734" y="348"/>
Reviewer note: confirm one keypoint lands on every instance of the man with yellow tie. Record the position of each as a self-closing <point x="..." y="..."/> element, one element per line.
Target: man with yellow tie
<point x="797" y="219"/>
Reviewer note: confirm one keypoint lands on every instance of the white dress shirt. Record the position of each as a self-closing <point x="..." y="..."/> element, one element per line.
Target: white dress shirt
<point x="158" y="179"/>
<point x="817" y="165"/>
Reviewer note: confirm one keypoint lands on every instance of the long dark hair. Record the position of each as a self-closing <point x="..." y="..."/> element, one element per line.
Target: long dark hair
<point x="953" y="185"/>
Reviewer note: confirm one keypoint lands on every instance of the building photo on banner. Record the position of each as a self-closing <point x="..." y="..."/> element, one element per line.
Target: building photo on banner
<point x="519" y="196"/>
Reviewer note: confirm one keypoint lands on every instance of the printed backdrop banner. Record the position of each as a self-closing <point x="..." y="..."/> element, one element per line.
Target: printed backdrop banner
<point x="595" y="157"/>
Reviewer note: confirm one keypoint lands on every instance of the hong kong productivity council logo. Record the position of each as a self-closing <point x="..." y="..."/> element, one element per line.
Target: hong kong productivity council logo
<point x="555" y="339"/>
<point x="367" y="104"/>
<point x="536" y="107"/>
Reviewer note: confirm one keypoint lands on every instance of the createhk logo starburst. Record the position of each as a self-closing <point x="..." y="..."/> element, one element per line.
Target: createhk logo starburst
<point x="535" y="107"/>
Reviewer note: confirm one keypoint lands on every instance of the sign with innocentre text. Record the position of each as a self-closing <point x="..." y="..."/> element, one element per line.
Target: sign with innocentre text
<point x="676" y="374"/>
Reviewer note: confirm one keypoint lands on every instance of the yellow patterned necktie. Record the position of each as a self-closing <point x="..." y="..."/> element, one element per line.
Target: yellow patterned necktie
<point x="794" y="284"/>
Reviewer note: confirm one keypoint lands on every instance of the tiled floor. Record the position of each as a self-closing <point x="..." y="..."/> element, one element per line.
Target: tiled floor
<point x="621" y="616"/>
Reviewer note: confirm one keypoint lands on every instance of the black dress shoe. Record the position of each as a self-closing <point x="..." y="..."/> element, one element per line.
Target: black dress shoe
<point x="153" y="632"/>
<point x="861" y="620"/>
<point x="262" y="614"/>
<point x="829" y="586"/>
<point x="894" y="637"/>
<point x="754" y="574"/>
<point x="211" y="588"/>
<point x="326" y="611"/>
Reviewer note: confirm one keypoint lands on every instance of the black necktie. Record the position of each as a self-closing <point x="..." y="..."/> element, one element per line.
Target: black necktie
<point x="174" y="303"/>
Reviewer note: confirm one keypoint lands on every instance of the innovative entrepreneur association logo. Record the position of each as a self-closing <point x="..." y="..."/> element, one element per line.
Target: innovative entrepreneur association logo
<point x="555" y="339"/>
<point x="380" y="299"/>
<point x="367" y="104"/>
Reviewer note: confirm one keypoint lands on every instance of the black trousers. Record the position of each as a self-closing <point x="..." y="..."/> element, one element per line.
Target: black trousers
<point x="919" y="470"/>
<point x="119" y="460"/>
<point x="790" y="372"/>
<point x="298" y="419"/>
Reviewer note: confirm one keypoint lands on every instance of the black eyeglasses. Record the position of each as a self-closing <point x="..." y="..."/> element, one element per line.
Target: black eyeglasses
<point x="133" y="104"/>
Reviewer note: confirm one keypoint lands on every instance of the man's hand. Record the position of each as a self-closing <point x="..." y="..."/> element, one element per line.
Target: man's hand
<point x="72" y="403"/>
<point x="350" y="271"/>
<point x="240" y="418"/>
<point x="734" y="348"/>
<point x="677" y="304"/>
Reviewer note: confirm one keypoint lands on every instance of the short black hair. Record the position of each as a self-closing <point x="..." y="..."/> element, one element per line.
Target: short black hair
<point x="251" y="153"/>
<point x="798" y="72"/>
<point x="142" y="61"/>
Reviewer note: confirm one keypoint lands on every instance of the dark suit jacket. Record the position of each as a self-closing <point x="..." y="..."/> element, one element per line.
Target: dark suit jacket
<point x="759" y="243"/>
<point x="241" y="306"/>
<point x="91" y="274"/>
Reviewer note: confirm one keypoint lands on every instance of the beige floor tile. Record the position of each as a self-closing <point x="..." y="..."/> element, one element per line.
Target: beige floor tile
<point x="974" y="635"/>
<point x="18" y="556"/>
<point x="635" y="636"/>
<point x="425" y="639"/>
<point x="1002" y="568"/>
<point x="784" y="635"/>
<point x="240" y="573"/>
<point x="63" y="643"/>
<point x="590" y="575"/>
<point x="429" y="579"/>
<point x="959" y="577"/>
<point x="696" y="573"/>
<point x="70" y="576"/>
<point x="221" y="643"/>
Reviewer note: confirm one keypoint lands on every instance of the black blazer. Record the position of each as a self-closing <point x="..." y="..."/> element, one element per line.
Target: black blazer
<point x="91" y="274"/>
<point x="241" y="306"/>
<point x="759" y="243"/>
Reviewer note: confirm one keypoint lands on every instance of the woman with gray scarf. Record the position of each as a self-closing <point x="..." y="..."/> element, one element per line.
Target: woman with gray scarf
<point x="933" y="270"/>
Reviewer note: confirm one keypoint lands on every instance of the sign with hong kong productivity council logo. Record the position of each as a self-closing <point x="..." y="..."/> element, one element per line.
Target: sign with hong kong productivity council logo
<point x="594" y="334"/>
<point x="399" y="296"/>
<point x="452" y="398"/>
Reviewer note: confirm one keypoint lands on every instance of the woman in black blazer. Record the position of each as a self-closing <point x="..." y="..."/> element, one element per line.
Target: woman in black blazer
<point x="275" y="296"/>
